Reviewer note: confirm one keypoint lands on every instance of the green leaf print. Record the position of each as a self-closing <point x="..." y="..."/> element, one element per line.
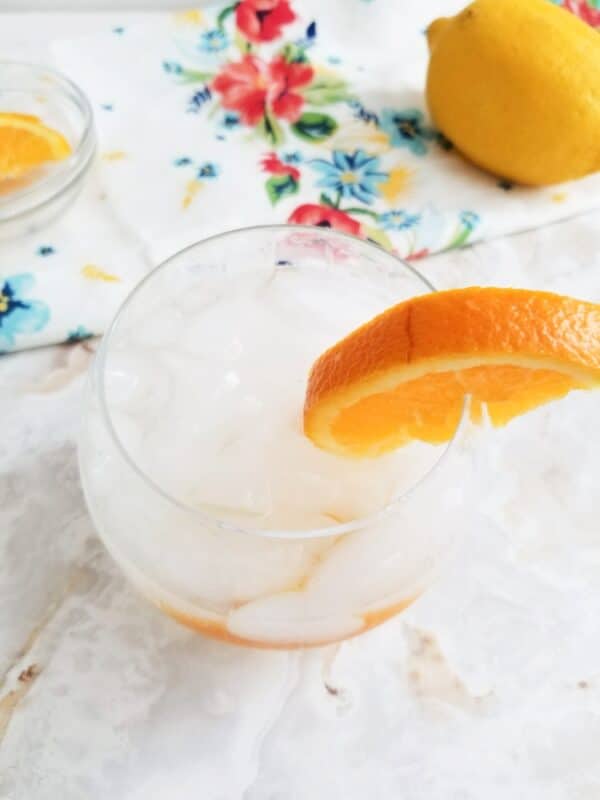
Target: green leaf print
<point x="280" y="186"/>
<point x="223" y="16"/>
<point x="379" y="237"/>
<point x="193" y="76"/>
<point x="294" y="54"/>
<point x="242" y="44"/>
<point x="460" y="238"/>
<point x="271" y="130"/>
<point x="324" y="91"/>
<point x="313" y="126"/>
<point x="366" y="211"/>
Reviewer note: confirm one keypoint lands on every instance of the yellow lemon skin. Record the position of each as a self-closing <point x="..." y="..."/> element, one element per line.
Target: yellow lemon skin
<point x="515" y="85"/>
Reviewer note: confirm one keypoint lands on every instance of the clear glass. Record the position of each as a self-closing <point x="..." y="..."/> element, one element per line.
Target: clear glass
<point x="197" y="473"/>
<point x="28" y="203"/>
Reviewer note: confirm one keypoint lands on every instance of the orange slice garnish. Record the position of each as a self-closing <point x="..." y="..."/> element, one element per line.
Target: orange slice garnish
<point x="26" y="143"/>
<point x="405" y="374"/>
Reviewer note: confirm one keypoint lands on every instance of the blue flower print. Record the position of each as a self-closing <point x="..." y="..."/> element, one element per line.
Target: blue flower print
<point x="362" y="113"/>
<point x="229" y="121"/>
<point x="17" y="314"/>
<point x="398" y="220"/>
<point x="172" y="67"/>
<point x="45" y="250"/>
<point x="351" y="175"/>
<point x="207" y="170"/>
<point x="469" y="219"/>
<point x="213" y="41"/>
<point x="293" y="157"/>
<point x="198" y="99"/>
<point x="79" y="334"/>
<point x="407" y="129"/>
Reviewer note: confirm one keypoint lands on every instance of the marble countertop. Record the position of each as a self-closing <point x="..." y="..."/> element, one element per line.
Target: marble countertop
<point x="487" y="688"/>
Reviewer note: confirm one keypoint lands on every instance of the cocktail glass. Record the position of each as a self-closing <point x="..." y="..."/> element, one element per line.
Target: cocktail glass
<point x="195" y="467"/>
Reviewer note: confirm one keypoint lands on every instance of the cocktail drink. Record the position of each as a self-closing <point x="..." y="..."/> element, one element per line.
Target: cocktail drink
<point x="195" y="466"/>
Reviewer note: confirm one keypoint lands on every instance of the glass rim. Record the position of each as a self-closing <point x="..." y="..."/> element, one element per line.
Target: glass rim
<point x="337" y="529"/>
<point x="58" y="183"/>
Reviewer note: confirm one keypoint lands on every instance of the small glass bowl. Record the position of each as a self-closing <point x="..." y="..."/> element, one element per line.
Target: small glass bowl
<point x="28" y="203"/>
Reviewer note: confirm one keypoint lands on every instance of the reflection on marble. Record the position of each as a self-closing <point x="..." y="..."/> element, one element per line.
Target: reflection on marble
<point x="489" y="687"/>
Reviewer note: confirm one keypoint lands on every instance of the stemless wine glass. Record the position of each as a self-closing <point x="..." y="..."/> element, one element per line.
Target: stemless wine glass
<point x="195" y="467"/>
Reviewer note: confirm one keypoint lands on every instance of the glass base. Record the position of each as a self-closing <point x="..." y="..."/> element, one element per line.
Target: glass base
<point x="215" y="625"/>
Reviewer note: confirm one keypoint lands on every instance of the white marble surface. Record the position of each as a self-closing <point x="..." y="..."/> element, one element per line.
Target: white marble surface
<point x="488" y="688"/>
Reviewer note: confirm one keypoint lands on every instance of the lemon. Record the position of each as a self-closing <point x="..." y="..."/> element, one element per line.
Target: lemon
<point x="515" y="85"/>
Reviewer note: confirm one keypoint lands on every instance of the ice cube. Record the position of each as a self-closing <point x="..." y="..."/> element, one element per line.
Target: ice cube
<point x="290" y="617"/>
<point x="303" y="299"/>
<point x="235" y="480"/>
<point x="394" y="557"/>
<point x="134" y="385"/>
<point x="221" y="569"/>
<point x="214" y="332"/>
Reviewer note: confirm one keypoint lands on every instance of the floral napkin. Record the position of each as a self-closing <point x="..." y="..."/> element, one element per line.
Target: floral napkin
<point x="263" y="111"/>
<point x="64" y="282"/>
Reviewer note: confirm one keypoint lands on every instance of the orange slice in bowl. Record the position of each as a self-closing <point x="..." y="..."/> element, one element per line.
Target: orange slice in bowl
<point x="404" y="375"/>
<point x="26" y="143"/>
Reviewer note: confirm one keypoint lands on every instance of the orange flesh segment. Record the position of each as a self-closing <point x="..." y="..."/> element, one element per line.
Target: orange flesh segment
<point x="26" y="143"/>
<point x="405" y="374"/>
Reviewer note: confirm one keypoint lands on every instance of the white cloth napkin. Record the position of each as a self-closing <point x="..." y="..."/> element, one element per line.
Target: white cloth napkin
<point x="267" y="111"/>
<point x="64" y="282"/>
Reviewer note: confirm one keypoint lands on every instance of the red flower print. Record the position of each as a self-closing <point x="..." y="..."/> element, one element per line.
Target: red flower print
<point x="584" y="11"/>
<point x="262" y="20"/>
<point x="417" y="254"/>
<point x="285" y="77"/>
<point x="271" y="164"/>
<point x="243" y="88"/>
<point x="252" y="87"/>
<point x="325" y="217"/>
